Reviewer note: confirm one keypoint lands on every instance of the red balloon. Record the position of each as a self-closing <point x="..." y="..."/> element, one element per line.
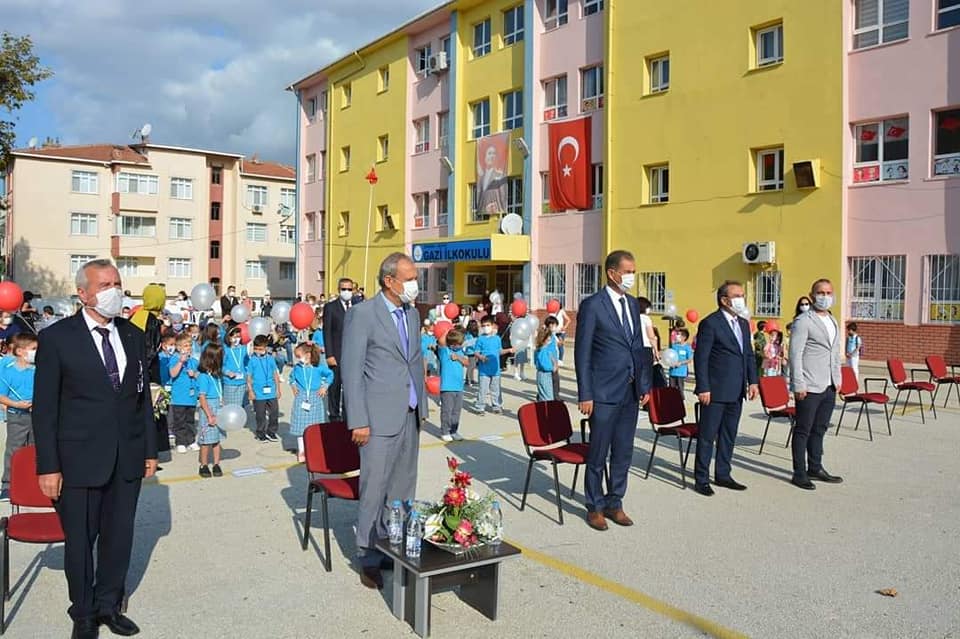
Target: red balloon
<point x="11" y="297"/>
<point x="244" y="333"/>
<point x="433" y="385"/>
<point x="771" y="326"/>
<point x="451" y="310"/>
<point x="518" y="308"/>
<point x="441" y="328"/>
<point x="692" y="316"/>
<point x="553" y="306"/>
<point x="301" y="315"/>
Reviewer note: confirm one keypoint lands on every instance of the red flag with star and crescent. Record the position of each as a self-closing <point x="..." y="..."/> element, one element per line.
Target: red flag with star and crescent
<point x="570" y="166"/>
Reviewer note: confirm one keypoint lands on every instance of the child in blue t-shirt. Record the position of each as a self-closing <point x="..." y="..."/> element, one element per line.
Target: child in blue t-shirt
<point x="678" y="373"/>
<point x="183" y="394"/>
<point x="309" y="381"/>
<point x="16" y="394"/>
<point x="554" y="325"/>
<point x="263" y="389"/>
<point x="210" y="392"/>
<point x="545" y="360"/>
<point x="317" y="336"/>
<point x="235" y="360"/>
<point x="168" y="350"/>
<point x="470" y="350"/>
<point x="452" y="363"/>
<point x="428" y="348"/>
<point x="489" y="348"/>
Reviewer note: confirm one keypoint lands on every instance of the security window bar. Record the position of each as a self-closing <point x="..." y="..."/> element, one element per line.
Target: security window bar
<point x="880" y="21"/>
<point x="944" y="288"/>
<point x="554" y="280"/>
<point x="877" y="287"/>
<point x="882" y="149"/>
<point x="586" y="280"/>
<point x="767" y="294"/>
<point x="655" y="288"/>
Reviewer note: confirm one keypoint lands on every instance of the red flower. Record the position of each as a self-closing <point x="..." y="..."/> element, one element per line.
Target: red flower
<point x="455" y="497"/>
<point x="462" y="479"/>
<point x="464" y="533"/>
<point x="452" y="464"/>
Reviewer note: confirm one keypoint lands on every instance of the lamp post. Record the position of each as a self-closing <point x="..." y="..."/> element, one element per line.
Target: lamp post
<point x="372" y="179"/>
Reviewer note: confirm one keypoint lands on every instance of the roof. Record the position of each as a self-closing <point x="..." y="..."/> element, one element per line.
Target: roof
<point x="105" y="153"/>
<point x="267" y="169"/>
<point x="185" y="149"/>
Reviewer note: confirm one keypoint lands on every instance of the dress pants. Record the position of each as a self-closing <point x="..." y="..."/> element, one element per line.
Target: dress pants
<point x="813" y="420"/>
<point x="719" y="422"/>
<point x="612" y="429"/>
<point x="334" y="394"/>
<point x="102" y="516"/>
<point x="388" y="471"/>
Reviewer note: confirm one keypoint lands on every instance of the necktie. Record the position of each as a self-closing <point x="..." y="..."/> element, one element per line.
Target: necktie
<point x="401" y="320"/>
<point x="625" y="320"/>
<point x="109" y="358"/>
<point x="736" y="331"/>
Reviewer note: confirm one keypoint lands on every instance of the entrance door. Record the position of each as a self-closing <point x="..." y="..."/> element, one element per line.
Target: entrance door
<point x="509" y="280"/>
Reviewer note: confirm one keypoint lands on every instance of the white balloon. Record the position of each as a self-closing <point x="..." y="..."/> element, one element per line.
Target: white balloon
<point x="520" y="330"/>
<point x="669" y="357"/>
<point x="281" y="312"/>
<point x="240" y="313"/>
<point x="496" y="297"/>
<point x="231" y="417"/>
<point x="519" y="343"/>
<point x="672" y="309"/>
<point x="532" y="321"/>
<point x="202" y="296"/>
<point x="260" y="326"/>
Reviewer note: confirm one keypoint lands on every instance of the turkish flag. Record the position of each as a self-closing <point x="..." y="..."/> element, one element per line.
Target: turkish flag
<point x="570" y="168"/>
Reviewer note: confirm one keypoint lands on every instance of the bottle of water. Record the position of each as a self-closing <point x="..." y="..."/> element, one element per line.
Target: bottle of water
<point x="395" y="524"/>
<point x="496" y="517"/>
<point x="414" y="536"/>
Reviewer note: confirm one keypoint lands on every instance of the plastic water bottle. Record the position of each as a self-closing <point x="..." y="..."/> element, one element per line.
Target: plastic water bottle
<point x="414" y="536"/>
<point x="395" y="525"/>
<point x="496" y="516"/>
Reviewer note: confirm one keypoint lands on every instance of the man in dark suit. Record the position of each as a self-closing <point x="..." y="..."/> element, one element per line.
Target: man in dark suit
<point x="333" y="319"/>
<point x="93" y="424"/>
<point x="613" y="381"/>
<point x="726" y="372"/>
<point x="229" y="300"/>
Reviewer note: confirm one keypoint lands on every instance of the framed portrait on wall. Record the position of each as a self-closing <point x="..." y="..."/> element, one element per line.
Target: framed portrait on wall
<point x="477" y="284"/>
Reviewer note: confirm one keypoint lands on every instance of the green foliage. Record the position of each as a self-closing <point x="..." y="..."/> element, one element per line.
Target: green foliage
<point x="20" y="70"/>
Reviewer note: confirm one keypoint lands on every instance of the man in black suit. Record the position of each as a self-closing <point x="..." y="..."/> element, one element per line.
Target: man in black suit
<point x="229" y="300"/>
<point x="333" y="317"/>
<point x="93" y="425"/>
<point x="726" y="372"/>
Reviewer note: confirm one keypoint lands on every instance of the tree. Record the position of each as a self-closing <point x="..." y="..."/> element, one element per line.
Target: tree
<point x="20" y="70"/>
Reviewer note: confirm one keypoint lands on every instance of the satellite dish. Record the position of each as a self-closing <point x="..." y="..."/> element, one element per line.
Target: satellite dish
<point x="284" y="211"/>
<point x="32" y="143"/>
<point x="511" y="224"/>
<point x="145" y="130"/>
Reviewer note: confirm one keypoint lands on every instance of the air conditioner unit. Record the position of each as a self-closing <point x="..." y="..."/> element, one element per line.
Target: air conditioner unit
<point x="759" y="252"/>
<point x="438" y="62"/>
<point x="257" y="209"/>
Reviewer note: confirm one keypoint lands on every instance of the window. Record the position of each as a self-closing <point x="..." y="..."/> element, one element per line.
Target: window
<point x="555" y="14"/>
<point x="881" y="151"/>
<point x="421" y="129"/>
<point x="659" y="74"/>
<point x="178" y="267"/>
<point x="554" y="279"/>
<point x="948" y="14"/>
<point x="513" y="110"/>
<point x="770" y="170"/>
<point x="515" y="195"/>
<point x="288" y="234"/>
<point x="383" y="79"/>
<point x="659" y="184"/>
<point x="877" y="287"/>
<point x="421" y="216"/>
<point x="181" y="228"/>
<point x="214" y="210"/>
<point x="423" y="284"/>
<point x="137" y="183"/>
<point x="255" y="270"/>
<point x="946" y="159"/>
<point x="445" y="47"/>
<point x="443" y="208"/>
<point x="442" y="281"/>
<point x="288" y="200"/>
<point x="311" y="168"/>
<point x="383" y="148"/>
<point x="655" y="290"/>
<point x="384" y="220"/>
<point x="586" y="280"/>
<point x="343" y="228"/>
<point x="83" y="224"/>
<point x="136" y="226"/>
<point x="770" y="45"/>
<point x="311" y="109"/>
<point x="545" y="192"/>
<point x="943" y="277"/>
<point x="596" y="186"/>
<point x="322" y="102"/>
<point x="767" y="294"/>
<point x="215" y="250"/>
<point x="77" y="261"/>
<point x="181" y="188"/>
<point x="591" y="7"/>
<point x="256" y="196"/>
<point x="422" y="59"/>
<point x="591" y="88"/>
<point x="443" y="131"/>
<point x="346" y="95"/>
<point x="481" y="38"/>
<point x="216" y="175"/>
<point x="476" y="214"/>
<point x="345" y="158"/>
<point x="879" y="21"/>
<point x="481" y="118"/>
<point x="256" y="232"/>
<point x="555" y="97"/>
<point x="128" y="266"/>
<point x="311" y="221"/>
<point x="84" y="182"/>
<point x="288" y="270"/>
<point x="513" y="25"/>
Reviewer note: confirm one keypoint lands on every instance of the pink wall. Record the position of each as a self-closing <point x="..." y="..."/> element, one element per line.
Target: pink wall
<point x="919" y="216"/>
<point x="313" y="140"/>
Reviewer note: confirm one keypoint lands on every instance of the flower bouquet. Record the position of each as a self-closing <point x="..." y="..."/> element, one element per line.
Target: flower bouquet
<point x="462" y="519"/>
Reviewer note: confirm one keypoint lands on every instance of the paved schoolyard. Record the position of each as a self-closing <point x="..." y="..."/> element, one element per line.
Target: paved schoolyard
<point x="220" y="557"/>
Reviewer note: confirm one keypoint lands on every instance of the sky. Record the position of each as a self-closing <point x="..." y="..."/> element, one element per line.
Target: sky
<point x="205" y="74"/>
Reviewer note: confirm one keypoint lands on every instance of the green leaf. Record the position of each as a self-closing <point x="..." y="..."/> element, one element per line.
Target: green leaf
<point x="451" y="521"/>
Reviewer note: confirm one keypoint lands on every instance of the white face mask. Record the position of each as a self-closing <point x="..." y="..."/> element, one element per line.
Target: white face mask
<point x="823" y="302"/>
<point x="109" y="302"/>
<point x="305" y="361"/>
<point x="30" y="356"/>
<point x="487" y="330"/>
<point x="649" y="311"/>
<point x="627" y="280"/>
<point x="554" y="329"/>
<point x="739" y="305"/>
<point x="346" y="296"/>
<point x="234" y="341"/>
<point x="804" y="308"/>
<point x="411" y="289"/>
<point x="171" y="349"/>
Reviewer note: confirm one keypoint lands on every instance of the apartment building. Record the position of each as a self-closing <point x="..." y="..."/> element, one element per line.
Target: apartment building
<point x="164" y="214"/>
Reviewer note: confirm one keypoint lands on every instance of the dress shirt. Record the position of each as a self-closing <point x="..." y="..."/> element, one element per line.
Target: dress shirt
<point x="828" y="324"/>
<point x="615" y="297"/>
<point x="118" y="350"/>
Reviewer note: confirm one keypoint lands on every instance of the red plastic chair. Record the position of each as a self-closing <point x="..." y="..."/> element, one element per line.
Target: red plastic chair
<point x="30" y="527"/>
<point x="775" y="399"/>
<point x="937" y="368"/>
<point x="850" y="393"/>
<point x="898" y="375"/>
<point x="546" y="431"/>
<point x="667" y="417"/>
<point x="333" y="470"/>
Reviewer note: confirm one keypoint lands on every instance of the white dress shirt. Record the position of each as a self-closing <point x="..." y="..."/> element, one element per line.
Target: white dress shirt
<point x="615" y="297"/>
<point x="828" y="324"/>
<point x="118" y="351"/>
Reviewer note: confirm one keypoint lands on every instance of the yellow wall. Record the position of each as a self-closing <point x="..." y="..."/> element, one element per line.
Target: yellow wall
<point x="372" y="113"/>
<point x="716" y="110"/>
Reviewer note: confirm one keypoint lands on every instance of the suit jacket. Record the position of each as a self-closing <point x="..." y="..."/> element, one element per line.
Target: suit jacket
<point x="333" y="322"/>
<point x="603" y="355"/>
<point x="814" y="359"/>
<point x="723" y="368"/>
<point x="376" y="374"/>
<point x="83" y="428"/>
<point x="227" y="303"/>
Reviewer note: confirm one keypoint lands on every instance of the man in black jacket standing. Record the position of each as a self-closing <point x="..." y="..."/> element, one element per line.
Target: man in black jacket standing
<point x="333" y="317"/>
<point x="228" y="301"/>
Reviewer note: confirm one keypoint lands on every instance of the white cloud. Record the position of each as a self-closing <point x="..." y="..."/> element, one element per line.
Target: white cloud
<point x="204" y="73"/>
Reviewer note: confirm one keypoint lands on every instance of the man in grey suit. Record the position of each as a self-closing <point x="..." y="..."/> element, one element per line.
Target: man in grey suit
<point x="383" y="389"/>
<point x="815" y="373"/>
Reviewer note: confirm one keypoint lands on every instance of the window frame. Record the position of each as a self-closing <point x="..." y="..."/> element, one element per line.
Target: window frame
<point x="777" y="184"/>
<point x="421" y="135"/>
<point x="90" y="178"/>
<point x="311" y="108"/>
<point x="383" y="78"/>
<point x="84" y="220"/>
<point x="515" y="195"/>
<point x="585" y="273"/>
<point x="482" y="47"/>
<point x="253" y="191"/>
<point x="383" y="147"/>
<point x="948" y="267"/>
<point x="261" y="270"/>
<point x="255" y="230"/>
<point x="443" y="207"/>
<point x="655" y="289"/>
<point x="594" y="101"/>
<point x="174" y="262"/>
<point x="346" y="95"/>
<point x="124" y="231"/>
<point x="288" y="234"/>
<point x="946" y="164"/>
<point x="216" y="175"/>
<point x="512" y="118"/>
<point x="767" y="293"/>
<point x="656" y="173"/>
<point x="152" y="183"/>
<point x="214" y="250"/>
<point x="179" y="224"/>
<point x="883" y="269"/>
<point x="421" y="213"/>
<point x="656" y="67"/>
<point x="592" y="7"/>
<point x="880" y="27"/>
<point x="482" y="128"/>
<point x="345" y="158"/>
<point x="596" y="193"/>
<point x="941" y="11"/>
<point x="79" y="259"/>
<point x="443" y="131"/>
<point x="556" y="13"/>
<point x="423" y="54"/>
<point x="290" y="266"/>
<point x="551" y="92"/>
<point x="216" y="210"/>
<point x="863" y="172"/>
<point x="311" y="172"/>
<point x="343" y="226"/>
<point x="553" y="284"/>
<point x="515" y="34"/>
<point x="288" y="198"/>
<point x="181" y="188"/>
<point x="777" y="58"/>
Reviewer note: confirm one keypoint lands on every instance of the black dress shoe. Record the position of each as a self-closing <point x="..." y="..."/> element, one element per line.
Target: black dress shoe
<point x="729" y="483"/>
<point x="703" y="489"/>
<point x="119" y="624"/>
<point x="824" y="476"/>
<point x="371" y="577"/>
<point x="85" y="629"/>
<point x="805" y="484"/>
